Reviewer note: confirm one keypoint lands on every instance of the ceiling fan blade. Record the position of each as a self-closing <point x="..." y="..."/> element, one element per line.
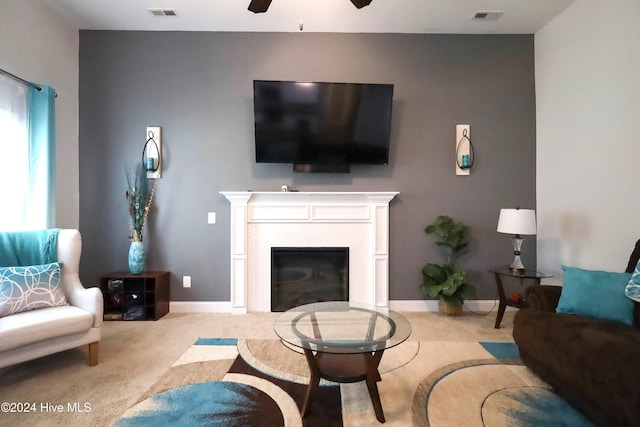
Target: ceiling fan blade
<point x="361" y="3"/>
<point x="259" y="6"/>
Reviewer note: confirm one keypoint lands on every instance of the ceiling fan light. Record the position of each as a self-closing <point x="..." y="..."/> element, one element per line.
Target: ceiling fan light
<point x="259" y="6"/>
<point x="361" y="3"/>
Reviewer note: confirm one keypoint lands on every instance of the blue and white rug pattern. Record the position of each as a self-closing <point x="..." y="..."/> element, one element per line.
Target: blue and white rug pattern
<point x="235" y="400"/>
<point x="229" y="383"/>
<point x="496" y="391"/>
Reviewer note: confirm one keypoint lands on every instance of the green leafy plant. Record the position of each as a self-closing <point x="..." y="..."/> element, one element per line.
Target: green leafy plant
<point x="447" y="280"/>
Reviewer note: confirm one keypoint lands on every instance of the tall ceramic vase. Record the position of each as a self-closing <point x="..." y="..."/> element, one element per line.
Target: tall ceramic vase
<point x="137" y="257"/>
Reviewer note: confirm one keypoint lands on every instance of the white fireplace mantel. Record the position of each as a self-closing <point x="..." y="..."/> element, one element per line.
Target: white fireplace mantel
<point x="262" y="220"/>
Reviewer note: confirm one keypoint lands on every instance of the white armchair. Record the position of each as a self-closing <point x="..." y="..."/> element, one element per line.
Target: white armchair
<point x="36" y="333"/>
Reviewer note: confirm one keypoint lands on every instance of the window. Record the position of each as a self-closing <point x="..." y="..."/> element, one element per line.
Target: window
<point x="27" y="155"/>
<point x="14" y="153"/>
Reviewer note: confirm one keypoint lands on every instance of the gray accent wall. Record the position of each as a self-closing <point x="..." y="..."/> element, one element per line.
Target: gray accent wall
<point x="198" y="87"/>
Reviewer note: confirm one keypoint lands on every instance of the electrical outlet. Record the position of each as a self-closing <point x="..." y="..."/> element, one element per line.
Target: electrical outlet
<point x="186" y="281"/>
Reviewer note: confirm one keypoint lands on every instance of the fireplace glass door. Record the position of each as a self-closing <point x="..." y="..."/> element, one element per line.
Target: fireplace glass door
<point x="306" y="275"/>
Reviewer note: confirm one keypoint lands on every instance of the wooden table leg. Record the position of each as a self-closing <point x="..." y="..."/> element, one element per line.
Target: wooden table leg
<point x="314" y="382"/>
<point x="503" y="301"/>
<point x="369" y="373"/>
<point x="501" y="308"/>
<point x="373" y="376"/>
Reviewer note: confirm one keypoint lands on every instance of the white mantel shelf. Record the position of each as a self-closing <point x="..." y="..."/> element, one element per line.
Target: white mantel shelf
<point x="261" y="220"/>
<point x="315" y="195"/>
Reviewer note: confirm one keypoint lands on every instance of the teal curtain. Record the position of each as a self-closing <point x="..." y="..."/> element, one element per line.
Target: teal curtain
<point x="42" y="157"/>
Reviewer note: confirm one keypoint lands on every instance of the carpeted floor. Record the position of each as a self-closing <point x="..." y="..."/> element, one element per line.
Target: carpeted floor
<point x="137" y="357"/>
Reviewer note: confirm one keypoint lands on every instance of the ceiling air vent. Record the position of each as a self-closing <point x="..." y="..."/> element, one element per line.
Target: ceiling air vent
<point x="162" y="12"/>
<point x="487" y="15"/>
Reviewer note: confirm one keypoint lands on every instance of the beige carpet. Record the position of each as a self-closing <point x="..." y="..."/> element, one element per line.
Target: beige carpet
<point x="134" y="356"/>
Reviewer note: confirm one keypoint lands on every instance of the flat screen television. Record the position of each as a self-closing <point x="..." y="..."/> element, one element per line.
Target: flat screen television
<point x="320" y="126"/>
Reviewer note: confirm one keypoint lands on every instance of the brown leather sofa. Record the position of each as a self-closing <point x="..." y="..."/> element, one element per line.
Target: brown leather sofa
<point x="594" y="364"/>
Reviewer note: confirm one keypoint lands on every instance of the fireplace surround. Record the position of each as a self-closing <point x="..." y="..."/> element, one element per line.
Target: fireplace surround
<point x="263" y="220"/>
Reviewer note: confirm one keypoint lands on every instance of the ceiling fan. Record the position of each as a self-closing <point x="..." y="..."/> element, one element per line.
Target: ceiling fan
<point x="261" y="6"/>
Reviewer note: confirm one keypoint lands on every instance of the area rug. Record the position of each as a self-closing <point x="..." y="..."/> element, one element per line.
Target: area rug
<point x="497" y="391"/>
<point x="229" y="382"/>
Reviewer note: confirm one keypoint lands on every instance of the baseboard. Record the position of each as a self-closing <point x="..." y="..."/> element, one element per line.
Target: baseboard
<point x="397" y="305"/>
<point x="199" y="306"/>
<point x="432" y="305"/>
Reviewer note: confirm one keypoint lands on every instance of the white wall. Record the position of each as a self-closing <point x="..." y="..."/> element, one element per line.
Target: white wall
<point x="38" y="46"/>
<point x="588" y="135"/>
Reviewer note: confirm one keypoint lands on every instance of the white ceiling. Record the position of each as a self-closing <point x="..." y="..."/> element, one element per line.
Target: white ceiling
<point x="381" y="16"/>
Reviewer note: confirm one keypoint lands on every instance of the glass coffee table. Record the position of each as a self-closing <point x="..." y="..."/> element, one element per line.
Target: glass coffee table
<point x="343" y="342"/>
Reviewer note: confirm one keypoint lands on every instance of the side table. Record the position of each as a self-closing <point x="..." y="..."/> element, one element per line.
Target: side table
<point x="135" y="296"/>
<point x="528" y="274"/>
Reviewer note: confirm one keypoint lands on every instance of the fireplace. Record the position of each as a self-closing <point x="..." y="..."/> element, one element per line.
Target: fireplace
<point x="261" y="220"/>
<point x="306" y="275"/>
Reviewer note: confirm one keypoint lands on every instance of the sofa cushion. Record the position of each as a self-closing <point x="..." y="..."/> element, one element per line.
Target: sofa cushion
<point x="39" y="325"/>
<point x="30" y="288"/>
<point x="598" y="294"/>
<point x="632" y="290"/>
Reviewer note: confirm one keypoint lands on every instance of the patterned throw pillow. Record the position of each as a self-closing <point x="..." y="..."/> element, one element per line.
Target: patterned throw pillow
<point x="30" y="288"/>
<point x="633" y="287"/>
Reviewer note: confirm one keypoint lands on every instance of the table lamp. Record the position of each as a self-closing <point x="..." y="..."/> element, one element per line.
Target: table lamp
<point x="517" y="221"/>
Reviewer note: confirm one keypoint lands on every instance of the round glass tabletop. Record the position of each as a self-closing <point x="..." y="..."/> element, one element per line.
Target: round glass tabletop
<point x="342" y="327"/>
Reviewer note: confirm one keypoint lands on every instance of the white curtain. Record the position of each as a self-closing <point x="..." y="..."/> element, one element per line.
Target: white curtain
<point x="14" y="154"/>
<point x="27" y="155"/>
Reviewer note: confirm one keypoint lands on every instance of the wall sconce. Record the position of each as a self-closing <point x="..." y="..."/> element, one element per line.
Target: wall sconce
<point x="465" y="155"/>
<point x="517" y="221"/>
<point x="152" y="152"/>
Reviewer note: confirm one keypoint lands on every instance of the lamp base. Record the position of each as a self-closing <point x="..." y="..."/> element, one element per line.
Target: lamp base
<point x="517" y="265"/>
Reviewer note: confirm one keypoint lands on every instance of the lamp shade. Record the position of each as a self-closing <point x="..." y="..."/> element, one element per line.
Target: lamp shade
<point x="517" y="221"/>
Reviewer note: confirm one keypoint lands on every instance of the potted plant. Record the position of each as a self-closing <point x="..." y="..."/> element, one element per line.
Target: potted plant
<point x="446" y="280"/>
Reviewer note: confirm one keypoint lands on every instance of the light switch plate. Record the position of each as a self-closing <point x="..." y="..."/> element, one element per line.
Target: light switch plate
<point x="211" y="217"/>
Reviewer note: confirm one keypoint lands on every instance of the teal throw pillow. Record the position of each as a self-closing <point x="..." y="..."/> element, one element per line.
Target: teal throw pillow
<point x="29" y="288"/>
<point x="632" y="290"/>
<point x="597" y="294"/>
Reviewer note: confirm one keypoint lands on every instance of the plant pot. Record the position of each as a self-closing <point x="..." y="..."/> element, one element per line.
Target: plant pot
<point x="137" y="257"/>
<point x="449" y="310"/>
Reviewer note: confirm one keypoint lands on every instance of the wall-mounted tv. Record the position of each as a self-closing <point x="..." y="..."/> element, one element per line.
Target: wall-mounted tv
<point x="320" y="126"/>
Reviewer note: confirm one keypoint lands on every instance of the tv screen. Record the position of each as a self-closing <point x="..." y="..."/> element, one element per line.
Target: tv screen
<point x="321" y="123"/>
